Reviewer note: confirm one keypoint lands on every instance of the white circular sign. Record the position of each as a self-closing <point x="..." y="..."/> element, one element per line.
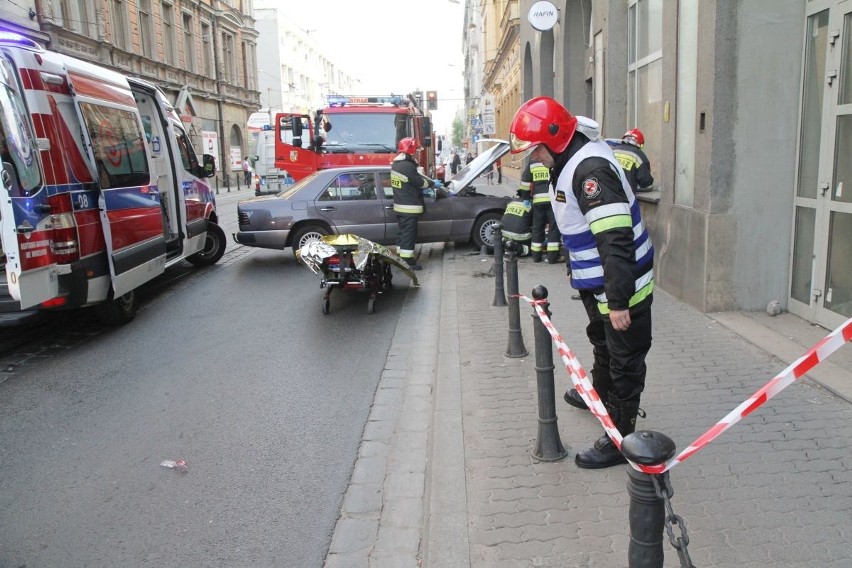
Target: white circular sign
<point x="543" y="15"/>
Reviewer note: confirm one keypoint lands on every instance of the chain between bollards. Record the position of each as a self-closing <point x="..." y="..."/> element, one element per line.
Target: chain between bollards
<point x="499" y="291"/>
<point x="516" y="347"/>
<point x="548" y="446"/>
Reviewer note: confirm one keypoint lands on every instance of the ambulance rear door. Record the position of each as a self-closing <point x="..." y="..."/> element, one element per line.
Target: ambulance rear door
<point x="129" y="201"/>
<point x="25" y="228"/>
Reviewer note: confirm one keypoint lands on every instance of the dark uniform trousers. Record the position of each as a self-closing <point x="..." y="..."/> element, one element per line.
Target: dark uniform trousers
<point x="619" y="366"/>
<point x="543" y="220"/>
<point x="407" y="236"/>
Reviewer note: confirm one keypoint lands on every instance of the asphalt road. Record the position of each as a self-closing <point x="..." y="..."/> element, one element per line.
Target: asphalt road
<point x="233" y="369"/>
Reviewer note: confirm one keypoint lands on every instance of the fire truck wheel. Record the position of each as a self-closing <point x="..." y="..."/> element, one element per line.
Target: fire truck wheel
<point x="117" y="311"/>
<point x="214" y="247"/>
<point x="306" y="234"/>
<point x="483" y="230"/>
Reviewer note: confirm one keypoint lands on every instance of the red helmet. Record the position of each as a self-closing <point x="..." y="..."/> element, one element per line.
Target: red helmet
<point x="636" y="135"/>
<point x="542" y="120"/>
<point x="407" y="145"/>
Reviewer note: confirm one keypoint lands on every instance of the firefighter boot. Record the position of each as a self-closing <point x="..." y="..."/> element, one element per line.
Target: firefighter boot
<point x="536" y="256"/>
<point x="604" y="453"/>
<point x="412" y="264"/>
<point x="600" y="380"/>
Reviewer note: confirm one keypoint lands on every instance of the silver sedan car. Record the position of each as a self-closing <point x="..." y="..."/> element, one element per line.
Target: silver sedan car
<point x="359" y="200"/>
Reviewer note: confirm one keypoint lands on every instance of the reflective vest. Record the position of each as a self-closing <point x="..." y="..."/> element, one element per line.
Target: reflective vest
<point x="578" y="231"/>
<point x="516" y="221"/>
<point x="407" y="184"/>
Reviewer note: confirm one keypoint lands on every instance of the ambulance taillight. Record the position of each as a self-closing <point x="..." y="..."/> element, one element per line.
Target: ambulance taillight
<point x="64" y="247"/>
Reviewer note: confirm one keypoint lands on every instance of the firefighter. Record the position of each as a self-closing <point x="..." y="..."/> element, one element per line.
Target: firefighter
<point x="633" y="160"/>
<point x="610" y="257"/>
<point x="408" y="185"/>
<point x="516" y="222"/>
<point x="535" y="180"/>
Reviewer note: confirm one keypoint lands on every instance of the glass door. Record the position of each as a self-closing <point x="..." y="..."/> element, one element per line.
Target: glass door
<point x="821" y="274"/>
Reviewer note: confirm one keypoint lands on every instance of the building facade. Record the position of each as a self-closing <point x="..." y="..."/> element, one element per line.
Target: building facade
<point x="294" y="74"/>
<point x="745" y="108"/>
<point x="202" y="53"/>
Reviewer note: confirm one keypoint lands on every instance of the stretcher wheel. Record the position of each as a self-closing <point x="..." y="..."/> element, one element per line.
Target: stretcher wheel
<point x="326" y="303"/>
<point x="371" y="305"/>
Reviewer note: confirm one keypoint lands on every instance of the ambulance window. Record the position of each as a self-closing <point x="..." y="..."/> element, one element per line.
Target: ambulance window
<point x="187" y="154"/>
<point x="117" y="145"/>
<point x="20" y="170"/>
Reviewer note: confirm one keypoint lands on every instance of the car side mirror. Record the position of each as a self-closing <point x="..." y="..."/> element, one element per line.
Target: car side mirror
<point x="208" y="168"/>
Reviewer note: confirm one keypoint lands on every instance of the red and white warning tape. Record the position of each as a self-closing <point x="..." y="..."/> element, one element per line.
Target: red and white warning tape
<point x="815" y="355"/>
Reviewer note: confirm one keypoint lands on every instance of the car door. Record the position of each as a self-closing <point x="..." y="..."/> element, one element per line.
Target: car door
<point x="386" y="195"/>
<point x="436" y="223"/>
<point x="351" y="204"/>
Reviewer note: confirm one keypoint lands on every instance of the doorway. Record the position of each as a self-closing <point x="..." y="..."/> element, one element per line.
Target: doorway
<point x="821" y="268"/>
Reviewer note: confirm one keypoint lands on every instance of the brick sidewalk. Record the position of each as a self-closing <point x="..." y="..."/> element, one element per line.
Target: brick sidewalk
<point x="445" y="478"/>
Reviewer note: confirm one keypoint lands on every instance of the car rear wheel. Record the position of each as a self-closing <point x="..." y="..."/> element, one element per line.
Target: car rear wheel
<point x="307" y="234"/>
<point x="483" y="230"/>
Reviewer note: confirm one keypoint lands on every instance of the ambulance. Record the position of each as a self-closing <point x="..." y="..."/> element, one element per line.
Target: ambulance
<point x="101" y="189"/>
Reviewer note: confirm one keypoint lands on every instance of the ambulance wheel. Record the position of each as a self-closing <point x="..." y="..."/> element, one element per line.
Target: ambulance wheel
<point x="371" y="305"/>
<point x="214" y="247"/>
<point x="325" y="306"/>
<point x="117" y="311"/>
<point x="483" y="230"/>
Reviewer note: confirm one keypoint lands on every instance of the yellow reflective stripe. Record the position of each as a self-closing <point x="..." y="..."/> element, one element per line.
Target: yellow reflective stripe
<point x="541" y="198"/>
<point x="644" y="292"/>
<point x="400" y="208"/>
<point x="524" y="186"/>
<point x="627" y="161"/>
<point x="609" y="223"/>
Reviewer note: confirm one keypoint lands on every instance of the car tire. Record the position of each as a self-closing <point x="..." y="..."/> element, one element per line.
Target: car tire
<point x="305" y="234"/>
<point x="214" y="247"/>
<point x="483" y="230"/>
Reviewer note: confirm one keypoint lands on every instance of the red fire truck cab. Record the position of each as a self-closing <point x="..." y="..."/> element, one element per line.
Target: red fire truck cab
<point x="351" y="131"/>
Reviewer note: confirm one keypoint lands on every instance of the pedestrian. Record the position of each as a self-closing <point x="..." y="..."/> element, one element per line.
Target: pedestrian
<point x="633" y="160"/>
<point x="499" y="166"/>
<point x="408" y="185"/>
<point x="468" y="159"/>
<point x="247" y="170"/>
<point x="535" y="186"/>
<point x="456" y="163"/>
<point x="610" y="258"/>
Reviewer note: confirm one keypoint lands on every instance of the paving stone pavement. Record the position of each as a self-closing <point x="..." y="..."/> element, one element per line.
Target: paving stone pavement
<point x="445" y="477"/>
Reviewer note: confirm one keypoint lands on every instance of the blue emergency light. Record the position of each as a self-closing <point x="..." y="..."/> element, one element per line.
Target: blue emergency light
<point x="12" y="38"/>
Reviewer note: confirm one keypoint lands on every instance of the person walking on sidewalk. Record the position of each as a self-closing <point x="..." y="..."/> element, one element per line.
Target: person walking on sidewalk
<point x="499" y="165"/>
<point x="610" y="258"/>
<point x="535" y="186"/>
<point x="408" y="185"/>
<point x="247" y="170"/>
<point x="633" y="160"/>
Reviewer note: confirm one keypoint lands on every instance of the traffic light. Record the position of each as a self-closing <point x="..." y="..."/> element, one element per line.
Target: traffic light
<point x="432" y="100"/>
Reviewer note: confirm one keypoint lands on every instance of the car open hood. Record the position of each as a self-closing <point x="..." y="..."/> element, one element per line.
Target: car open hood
<point x="470" y="172"/>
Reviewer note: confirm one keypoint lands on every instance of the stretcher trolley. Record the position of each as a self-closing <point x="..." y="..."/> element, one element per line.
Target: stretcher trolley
<point x="349" y="262"/>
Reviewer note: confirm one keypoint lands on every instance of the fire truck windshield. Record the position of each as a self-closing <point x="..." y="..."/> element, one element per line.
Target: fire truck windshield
<point x="365" y="133"/>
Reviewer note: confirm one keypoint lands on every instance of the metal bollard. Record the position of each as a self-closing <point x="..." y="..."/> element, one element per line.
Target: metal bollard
<point x="548" y="447"/>
<point x="647" y="509"/>
<point x="516" y="347"/>
<point x="217" y="185"/>
<point x="499" y="291"/>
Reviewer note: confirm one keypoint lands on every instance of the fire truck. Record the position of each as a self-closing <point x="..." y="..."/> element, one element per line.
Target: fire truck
<point x="352" y="130"/>
<point x="101" y="189"/>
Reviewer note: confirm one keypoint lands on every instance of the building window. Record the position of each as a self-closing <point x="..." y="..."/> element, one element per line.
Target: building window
<point x="169" y="33"/>
<point x="644" y="72"/>
<point x="206" y="50"/>
<point x="145" y="27"/>
<point x="229" y="58"/>
<point x="119" y="23"/>
<point x="75" y="15"/>
<point x="188" y="43"/>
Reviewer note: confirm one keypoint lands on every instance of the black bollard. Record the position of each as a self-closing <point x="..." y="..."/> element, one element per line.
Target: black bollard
<point x="516" y="347"/>
<point x="548" y="447"/>
<point x="647" y="509"/>
<point x="499" y="291"/>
